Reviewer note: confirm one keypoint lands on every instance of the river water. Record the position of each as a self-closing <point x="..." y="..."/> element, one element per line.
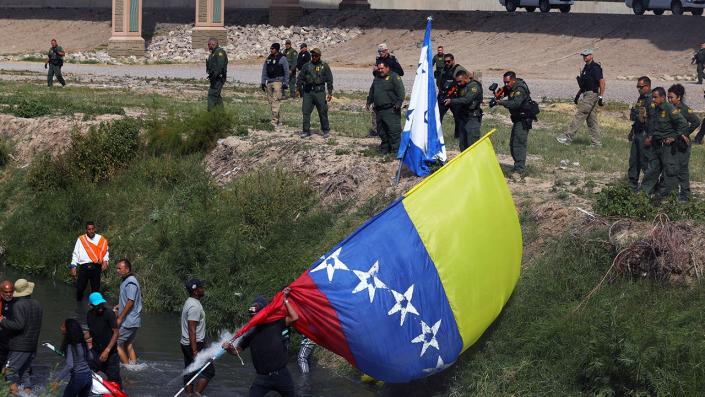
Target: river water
<point x="160" y="361"/>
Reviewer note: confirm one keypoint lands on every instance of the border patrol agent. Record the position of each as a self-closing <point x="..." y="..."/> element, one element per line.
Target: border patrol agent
<point x="217" y="69"/>
<point x="642" y="116"/>
<point x="668" y="124"/>
<point x="517" y="94"/>
<point x="54" y="63"/>
<point x="676" y="96"/>
<point x="592" y="87"/>
<point x="387" y="95"/>
<point x="314" y="80"/>
<point x="275" y="77"/>
<point x="466" y="109"/>
<point x="699" y="61"/>
<point x="383" y="55"/>
<point x="447" y="81"/>
<point x="291" y="57"/>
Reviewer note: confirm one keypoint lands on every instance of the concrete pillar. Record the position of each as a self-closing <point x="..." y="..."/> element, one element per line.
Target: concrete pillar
<point x="126" y="37"/>
<point x="285" y="12"/>
<point x="354" y="5"/>
<point x="210" y="22"/>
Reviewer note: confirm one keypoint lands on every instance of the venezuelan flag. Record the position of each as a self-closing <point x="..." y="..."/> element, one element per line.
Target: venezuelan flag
<point x="404" y="295"/>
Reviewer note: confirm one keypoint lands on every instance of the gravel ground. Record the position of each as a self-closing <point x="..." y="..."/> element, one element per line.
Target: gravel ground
<point x="349" y="79"/>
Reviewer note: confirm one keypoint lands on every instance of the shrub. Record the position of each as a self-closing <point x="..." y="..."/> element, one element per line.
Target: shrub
<point x="621" y="201"/>
<point x="4" y="154"/>
<point x="30" y="108"/>
<point x="197" y="132"/>
<point x="47" y="174"/>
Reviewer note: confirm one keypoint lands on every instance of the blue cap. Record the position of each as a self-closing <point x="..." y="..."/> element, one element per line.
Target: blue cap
<point x="96" y="299"/>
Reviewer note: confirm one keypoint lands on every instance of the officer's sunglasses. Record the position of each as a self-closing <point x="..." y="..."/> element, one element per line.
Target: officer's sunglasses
<point x="447" y="61"/>
<point x="638" y="87"/>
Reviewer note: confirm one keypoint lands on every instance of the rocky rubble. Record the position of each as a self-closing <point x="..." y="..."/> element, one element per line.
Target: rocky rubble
<point x="173" y="44"/>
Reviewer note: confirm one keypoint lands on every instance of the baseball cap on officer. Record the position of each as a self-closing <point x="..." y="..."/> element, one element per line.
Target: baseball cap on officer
<point x="586" y="52"/>
<point x="275" y="46"/>
<point x="382" y="47"/>
<point x="287" y="41"/>
<point x="316" y="51"/>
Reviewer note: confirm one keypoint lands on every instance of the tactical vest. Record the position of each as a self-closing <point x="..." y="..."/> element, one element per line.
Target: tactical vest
<point x="587" y="81"/>
<point x="274" y="66"/>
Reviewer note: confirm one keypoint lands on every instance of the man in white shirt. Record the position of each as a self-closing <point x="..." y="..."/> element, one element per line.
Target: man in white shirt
<point x="90" y="258"/>
<point x="193" y="335"/>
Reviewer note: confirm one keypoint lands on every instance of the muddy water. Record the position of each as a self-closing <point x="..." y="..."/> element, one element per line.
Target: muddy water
<point x="161" y="362"/>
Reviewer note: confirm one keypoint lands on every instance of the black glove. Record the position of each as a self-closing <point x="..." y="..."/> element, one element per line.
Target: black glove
<point x="45" y="66"/>
<point x="263" y="87"/>
<point x="600" y="102"/>
<point x="575" y="100"/>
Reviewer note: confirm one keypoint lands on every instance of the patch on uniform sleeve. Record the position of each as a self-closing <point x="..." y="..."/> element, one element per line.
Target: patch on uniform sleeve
<point x="386" y="78"/>
<point x="398" y="78"/>
<point x="690" y="110"/>
<point x="473" y="90"/>
<point x="653" y="106"/>
<point x="663" y="113"/>
<point x="676" y="111"/>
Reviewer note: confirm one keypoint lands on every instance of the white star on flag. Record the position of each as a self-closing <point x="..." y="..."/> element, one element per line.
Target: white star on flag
<point x="403" y="304"/>
<point x="369" y="281"/>
<point x="431" y="331"/>
<point x="331" y="264"/>
<point x="440" y="366"/>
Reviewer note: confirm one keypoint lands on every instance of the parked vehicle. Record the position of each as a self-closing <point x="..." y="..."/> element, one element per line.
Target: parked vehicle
<point x="542" y="5"/>
<point x="677" y="7"/>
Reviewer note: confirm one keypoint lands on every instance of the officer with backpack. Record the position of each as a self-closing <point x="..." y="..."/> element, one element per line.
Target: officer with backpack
<point x="55" y="61"/>
<point x="275" y="77"/>
<point x="523" y="111"/>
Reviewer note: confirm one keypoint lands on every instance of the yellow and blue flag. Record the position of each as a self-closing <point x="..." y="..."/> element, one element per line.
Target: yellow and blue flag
<point x="404" y="295"/>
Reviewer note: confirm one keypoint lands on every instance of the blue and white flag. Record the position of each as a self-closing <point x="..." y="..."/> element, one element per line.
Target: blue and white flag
<point x="422" y="140"/>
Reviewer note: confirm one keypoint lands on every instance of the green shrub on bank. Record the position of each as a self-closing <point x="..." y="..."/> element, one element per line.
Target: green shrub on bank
<point x="30" y="108"/>
<point x="630" y="338"/>
<point x="4" y="154"/>
<point x="195" y="132"/>
<point x="620" y="200"/>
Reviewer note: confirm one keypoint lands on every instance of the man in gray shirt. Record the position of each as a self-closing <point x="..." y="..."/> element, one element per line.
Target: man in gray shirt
<point x="128" y="312"/>
<point x="275" y="77"/>
<point x="193" y="335"/>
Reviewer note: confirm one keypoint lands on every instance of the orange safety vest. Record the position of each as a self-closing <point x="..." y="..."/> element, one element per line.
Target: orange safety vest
<point x="95" y="252"/>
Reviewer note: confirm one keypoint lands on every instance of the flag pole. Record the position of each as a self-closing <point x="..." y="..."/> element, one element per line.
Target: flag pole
<point x="401" y="161"/>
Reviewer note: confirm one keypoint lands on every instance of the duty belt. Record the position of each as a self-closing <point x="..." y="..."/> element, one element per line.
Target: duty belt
<point x="384" y="107"/>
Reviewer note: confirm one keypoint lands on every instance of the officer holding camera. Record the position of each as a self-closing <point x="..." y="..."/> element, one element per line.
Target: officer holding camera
<point x="515" y="100"/>
<point x="54" y="63"/>
<point x="447" y="82"/>
<point x="465" y="105"/>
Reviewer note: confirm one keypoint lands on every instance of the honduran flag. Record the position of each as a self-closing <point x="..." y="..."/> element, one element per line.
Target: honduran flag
<point x="405" y="294"/>
<point x="422" y="139"/>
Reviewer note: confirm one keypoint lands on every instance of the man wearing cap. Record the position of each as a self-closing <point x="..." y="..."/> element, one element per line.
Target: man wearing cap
<point x="314" y="80"/>
<point x="129" y="312"/>
<point x="217" y="70"/>
<point x="193" y="334"/>
<point x="699" y="61"/>
<point x="446" y="80"/>
<point x="269" y="353"/>
<point x="592" y="87"/>
<point x="303" y="58"/>
<point x="275" y="77"/>
<point x="387" y="96"/>
<point x="90" y="258"/>
<point x="383" y="54"/>
<point x="25" y="325"/>
<point x="103" y="331"/>
<point x="291" y="57"/>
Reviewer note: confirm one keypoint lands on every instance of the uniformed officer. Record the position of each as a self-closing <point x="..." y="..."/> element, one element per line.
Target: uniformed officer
<point x="275" y="77"/>
<point x="314" y="80"/>
<point x="303" y="58"/>
<point x="447" y="81"/>
<point x="438" y="65"/>
<point x="668" y="124"/>
<point x="217" y="70"/>
<point x="54" y="63"/>
<point x="517" y="94"/>
<point x="699" y="61"/>
<point x="641" y="115"/>
<point x="291" y="57"/>
<point x="676" y="96"/>
<point x="466" y="109"/>
<point x="592" y="89"/>
<point x="383" y="55"/>
<point x="387" y="96"/>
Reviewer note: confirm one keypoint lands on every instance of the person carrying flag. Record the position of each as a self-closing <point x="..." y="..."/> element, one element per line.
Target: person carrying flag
<point x="90" y="258"/>
<point x="269" y="355"/>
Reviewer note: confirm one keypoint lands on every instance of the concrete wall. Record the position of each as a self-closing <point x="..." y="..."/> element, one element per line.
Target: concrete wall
<point x="480" y="5"/>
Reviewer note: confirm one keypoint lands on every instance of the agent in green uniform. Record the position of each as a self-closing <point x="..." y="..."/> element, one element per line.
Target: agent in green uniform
<point x="387" y="95"/>
<point x="642" y="117"/>
<point x="55" y="61"/>
<point x="676" y="96"/>
<point x="311" y="84"/>
<point x="438" y="64"/>
<point x="699" y="61"/>
<point x="668" y="124"/>
<point x="291" y="56"/>
<point x="217" y="70"/>
<point x="466" y="109"/>
<point x="517" y="95"/>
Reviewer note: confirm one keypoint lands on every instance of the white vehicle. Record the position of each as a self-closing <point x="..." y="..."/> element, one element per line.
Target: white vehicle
<point x="677" y="7"/>
<point x="542" y="5"/>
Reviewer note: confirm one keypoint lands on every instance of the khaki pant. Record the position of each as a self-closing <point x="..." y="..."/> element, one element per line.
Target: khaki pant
<point x="587" y="111"/>
<point x="274" y="97"/>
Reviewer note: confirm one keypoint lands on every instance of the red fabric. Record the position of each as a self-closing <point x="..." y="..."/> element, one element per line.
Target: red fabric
<point x="114" y="388"/>
<point x="317" y="319"/>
